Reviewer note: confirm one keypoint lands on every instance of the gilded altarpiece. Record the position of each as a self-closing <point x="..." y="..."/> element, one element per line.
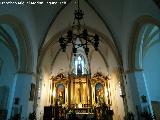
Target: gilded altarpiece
<point x="77" y="91"/>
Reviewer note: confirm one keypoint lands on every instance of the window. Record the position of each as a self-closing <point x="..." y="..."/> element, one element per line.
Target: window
<point x="79" y="65"/>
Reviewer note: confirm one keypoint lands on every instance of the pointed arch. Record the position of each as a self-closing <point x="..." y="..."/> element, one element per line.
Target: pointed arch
<point x="114" y="46"/>
<point x="8" y="42"/>
<point x="25" y="49"/>
<point x="134" y="61"/>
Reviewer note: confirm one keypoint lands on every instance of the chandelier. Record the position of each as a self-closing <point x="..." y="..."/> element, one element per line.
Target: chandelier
<point x="80" y="33"/>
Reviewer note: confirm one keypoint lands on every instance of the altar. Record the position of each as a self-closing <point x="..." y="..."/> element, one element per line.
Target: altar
<point x="81" y="116"/>
<point x="58" y="112"/>
<point x="80" y="91"/>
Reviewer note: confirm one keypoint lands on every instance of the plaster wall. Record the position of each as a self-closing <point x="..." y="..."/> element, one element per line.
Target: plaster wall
<point x="151" y="67"/>
<point x="7" y="74"/>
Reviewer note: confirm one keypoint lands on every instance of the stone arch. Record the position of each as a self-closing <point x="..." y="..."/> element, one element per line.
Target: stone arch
<point x="142" y="61"/>
<point x="8" y="42"/>
<point x="25" y="48"/>
<point x="105" y="40"/>
<point x="114" y="46"/>
<point x="134" y="61"/>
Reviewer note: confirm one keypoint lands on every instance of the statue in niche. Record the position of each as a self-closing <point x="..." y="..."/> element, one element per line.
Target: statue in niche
<point x="79" y="69"/>
<point x="60" y="97"/>
<point x="77" y="95"/>
<point x="60" y="94"/>
<point x="79" y="66"/>
<point x="79" y="91"/>
<point x="99" y="93"/>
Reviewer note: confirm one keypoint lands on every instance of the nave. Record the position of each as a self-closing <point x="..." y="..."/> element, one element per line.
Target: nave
<point x="80" y="97"/>
<point x="78" y="57"/>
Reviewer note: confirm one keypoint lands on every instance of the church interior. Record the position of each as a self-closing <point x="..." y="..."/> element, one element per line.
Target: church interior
<point x="80" y="60"/>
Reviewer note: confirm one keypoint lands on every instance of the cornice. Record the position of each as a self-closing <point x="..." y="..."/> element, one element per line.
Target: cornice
<point x="133" y="70"/>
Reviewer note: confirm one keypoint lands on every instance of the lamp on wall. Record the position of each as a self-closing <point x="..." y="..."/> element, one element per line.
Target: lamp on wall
<point x="79" y="32"/>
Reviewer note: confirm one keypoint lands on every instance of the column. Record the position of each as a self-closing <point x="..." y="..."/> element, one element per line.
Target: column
<point x="73" y="88"/>
<point x="135" y="89"/>
<point x="93" y="94"/>
<point x="143" y="90"/>
<point x="69" y="91"/>
<point x="109" y="92"/>
<point x="87" y="89"/>
<point x="106" y="93"/>
<point x="11" y="96"/>
<point x="54" y="93"/>
<point x="90" y="92"/>
<point x="50" y="91"/>
<point x="24" y="94"/>
<point x="66" y="93"/>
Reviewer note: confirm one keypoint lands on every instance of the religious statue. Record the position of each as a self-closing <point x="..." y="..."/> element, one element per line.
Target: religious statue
<point x="79" y="69"/>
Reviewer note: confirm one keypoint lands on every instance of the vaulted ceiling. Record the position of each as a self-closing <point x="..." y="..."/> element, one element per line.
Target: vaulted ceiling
<point x="118" y="18"/>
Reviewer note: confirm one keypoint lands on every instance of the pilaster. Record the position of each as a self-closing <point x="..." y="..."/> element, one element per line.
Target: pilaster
<point x="23" y="93"/>
<point x="137" y="92"/>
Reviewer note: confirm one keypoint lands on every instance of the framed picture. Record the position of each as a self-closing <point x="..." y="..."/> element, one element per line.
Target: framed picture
<point x="32" y="92"/>
<point x="144" y="99"/>
<point x="16" y="102"/>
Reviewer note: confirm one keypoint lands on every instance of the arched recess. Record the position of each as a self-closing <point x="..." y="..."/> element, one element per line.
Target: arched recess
<point x="8" y="42"/>
<point x="134" y="61"/>
<point x="25" y="49"/>
<point x="7" y="71"/>
<point x="50" y="53"/>
<point x="111" y="40"/>
<point x="144" y="56"/>
<point x="16" y="55"/>
<point x="53" y="42"/>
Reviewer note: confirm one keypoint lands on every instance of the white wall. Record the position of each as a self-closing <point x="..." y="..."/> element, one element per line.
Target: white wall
<point x="18" y="84"/>
<point x="151" y="67"/>
<point x="97" y="64"/>
<point x="22" y="91"/>
<point x="132" y="10"/>
<point x="116" y="91"/>
<point x="7" y="73"/>
<point x="43" y="93"/>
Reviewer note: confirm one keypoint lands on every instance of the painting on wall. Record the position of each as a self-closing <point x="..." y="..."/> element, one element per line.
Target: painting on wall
<point x="32" y="92"/>
<point x="60" y="92"/>
<point x="99" y="92"/>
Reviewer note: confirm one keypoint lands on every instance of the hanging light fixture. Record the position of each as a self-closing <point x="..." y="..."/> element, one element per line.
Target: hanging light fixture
<point x="79" y="32"/>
